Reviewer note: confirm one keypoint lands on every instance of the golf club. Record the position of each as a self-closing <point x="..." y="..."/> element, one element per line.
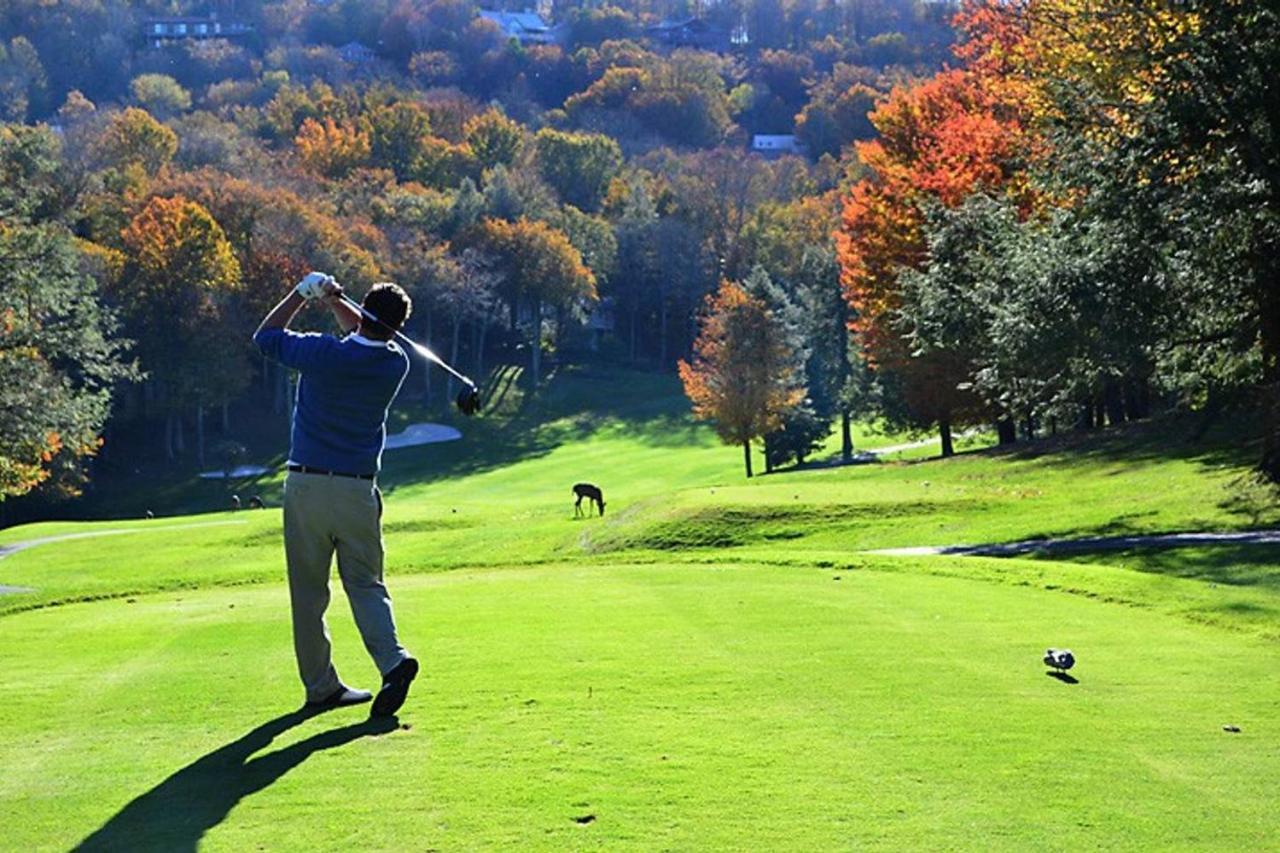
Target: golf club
<point x="468" y="399"/>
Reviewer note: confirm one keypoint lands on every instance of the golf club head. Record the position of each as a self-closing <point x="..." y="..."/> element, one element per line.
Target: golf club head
<point x="468" y="400"/>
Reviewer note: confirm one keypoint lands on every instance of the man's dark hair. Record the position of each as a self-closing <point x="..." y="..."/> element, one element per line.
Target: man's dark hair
<point x="391" y="305"/>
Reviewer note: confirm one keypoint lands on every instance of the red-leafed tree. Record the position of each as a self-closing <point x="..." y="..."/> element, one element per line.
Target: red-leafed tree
<point x="958" y="133"/>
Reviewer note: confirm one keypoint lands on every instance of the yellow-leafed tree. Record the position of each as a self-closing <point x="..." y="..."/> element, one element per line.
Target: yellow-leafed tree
<point x="331" y="149"/>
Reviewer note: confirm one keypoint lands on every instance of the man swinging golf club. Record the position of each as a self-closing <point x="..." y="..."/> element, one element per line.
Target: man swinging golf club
<point x="331" y="499"/>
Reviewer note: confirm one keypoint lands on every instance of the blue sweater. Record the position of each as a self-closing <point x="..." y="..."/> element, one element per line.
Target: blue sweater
<point x="346" y="388"/>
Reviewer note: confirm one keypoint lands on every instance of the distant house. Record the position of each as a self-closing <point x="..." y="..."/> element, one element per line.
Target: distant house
<point x="527" y="27"/>
<point x="354" y="53"/>
<point x="161" y="31"/>
<point x="689" y="32"/>
<point x="776" y="144"/>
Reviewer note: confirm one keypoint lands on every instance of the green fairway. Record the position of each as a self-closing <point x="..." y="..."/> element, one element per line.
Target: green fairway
<point x="680" y="706"/>
<point x="717" y="663"/>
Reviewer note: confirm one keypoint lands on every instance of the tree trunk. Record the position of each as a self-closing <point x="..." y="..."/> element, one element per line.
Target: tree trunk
<point x="1113" y="402"/>
<point x="1268" y="285"/>
<point x="535" y="345"/>
<point x="226" y="417"/>
<point x="484" y="330"/>
<point x="632" y="346"/>
<point x="200" y="435"/>
<point x="846" y="437"/>
<point x="426" y="368"/>
<point x="453" y="351"/>
<point x="1007" y="431"/>
<point x="1270" y="390"/>
<point x="662" y="337"/>
<point x="475" y="349"/>
<point x="1137" y="398"/>
<point x="948" y="449"/>
<point x="746" y="456"/>
<point x="168" y="436"/>
<point x="179" y="434"/>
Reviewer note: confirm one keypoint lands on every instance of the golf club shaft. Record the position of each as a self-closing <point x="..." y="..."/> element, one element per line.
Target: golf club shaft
<point x="425" y="352"/>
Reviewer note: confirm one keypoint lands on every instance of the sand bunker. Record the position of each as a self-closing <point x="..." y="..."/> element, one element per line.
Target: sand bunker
<point x="238" y="472"/>
<point x="416" y="434"/>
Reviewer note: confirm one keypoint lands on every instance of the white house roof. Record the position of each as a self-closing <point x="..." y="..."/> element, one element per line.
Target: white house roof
<point x="514" y="22"/>
<point x="354" y="51"/>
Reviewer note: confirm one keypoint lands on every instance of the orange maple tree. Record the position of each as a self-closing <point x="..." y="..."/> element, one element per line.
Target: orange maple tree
<point x="743" y="375"/>
<point x="960" y="132"/>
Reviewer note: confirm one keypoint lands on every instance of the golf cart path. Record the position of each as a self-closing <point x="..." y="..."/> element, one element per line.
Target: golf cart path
<point x="1086" y="544"/>
<point x="896" y="448"/>
<point x="15" y="547"/>
<point x="871" y="454"/>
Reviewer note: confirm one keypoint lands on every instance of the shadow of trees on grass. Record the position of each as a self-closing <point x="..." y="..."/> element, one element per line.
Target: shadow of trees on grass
<point x="1240" y="565"/>
<point x="175" y="815"/>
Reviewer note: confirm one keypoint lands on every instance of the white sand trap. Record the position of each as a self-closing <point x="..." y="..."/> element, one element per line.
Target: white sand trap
<point x="415" y="434"/>
<point x="238" y="472"/>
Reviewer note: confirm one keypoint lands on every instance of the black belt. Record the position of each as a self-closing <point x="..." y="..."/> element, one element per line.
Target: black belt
<point x="307" y="469"/>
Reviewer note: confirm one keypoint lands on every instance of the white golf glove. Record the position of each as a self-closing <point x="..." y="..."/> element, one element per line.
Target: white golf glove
<point x="317" y="285"/>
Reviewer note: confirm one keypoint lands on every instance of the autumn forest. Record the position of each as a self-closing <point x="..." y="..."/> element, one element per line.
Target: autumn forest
<point x="1033" y="216"/>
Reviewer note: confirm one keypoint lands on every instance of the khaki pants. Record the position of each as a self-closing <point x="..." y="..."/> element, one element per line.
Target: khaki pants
<point x="323" y="514"/>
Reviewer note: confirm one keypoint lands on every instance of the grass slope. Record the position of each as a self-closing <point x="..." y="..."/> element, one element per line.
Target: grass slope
<point x="714" y="664"/>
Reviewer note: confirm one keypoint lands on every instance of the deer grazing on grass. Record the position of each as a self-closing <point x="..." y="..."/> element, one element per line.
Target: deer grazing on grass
<point x="591" y="493"/>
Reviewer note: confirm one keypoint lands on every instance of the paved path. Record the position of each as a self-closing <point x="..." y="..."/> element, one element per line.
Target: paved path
<point x="1091" y="543"/>
<point x="15" y="547"/>
<point x="871" y="454"/>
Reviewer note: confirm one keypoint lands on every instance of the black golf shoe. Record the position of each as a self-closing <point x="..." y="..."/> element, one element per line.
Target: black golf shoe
<point x="342" y="696"/>
<point x="395" y="687"/>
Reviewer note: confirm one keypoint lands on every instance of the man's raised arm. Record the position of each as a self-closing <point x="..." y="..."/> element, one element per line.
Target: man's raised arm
<point x="299" y="351"/>
<point x="314" y="285"/>
<point x="279" y="316"/>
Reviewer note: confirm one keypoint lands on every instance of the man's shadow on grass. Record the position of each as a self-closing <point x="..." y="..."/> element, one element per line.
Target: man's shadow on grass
<point x="176" y="814"/>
